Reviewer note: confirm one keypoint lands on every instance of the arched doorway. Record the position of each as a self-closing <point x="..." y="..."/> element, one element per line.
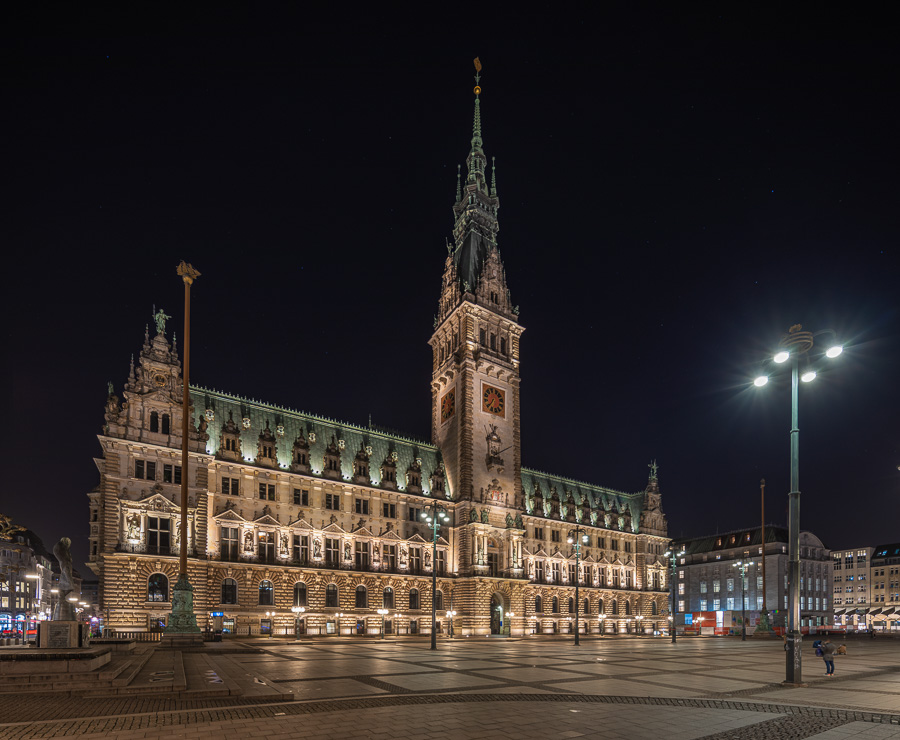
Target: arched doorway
<point x="499" y="620"/>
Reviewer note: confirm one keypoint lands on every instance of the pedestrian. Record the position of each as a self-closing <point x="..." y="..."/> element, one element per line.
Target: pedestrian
<point x="827" y="649"/>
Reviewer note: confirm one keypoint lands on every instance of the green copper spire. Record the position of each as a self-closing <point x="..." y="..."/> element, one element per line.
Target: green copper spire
<point x="476" y="160"/>
<point x="493" y="177"/>
<point x="458" y="184"/>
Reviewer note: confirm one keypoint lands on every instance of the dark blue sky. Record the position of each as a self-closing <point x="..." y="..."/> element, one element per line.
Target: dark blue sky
<point x="676" y="191"/>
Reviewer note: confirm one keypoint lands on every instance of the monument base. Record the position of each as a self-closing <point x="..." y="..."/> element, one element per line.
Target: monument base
<point x="63" y="634"/>
<point x="182" y="629"/>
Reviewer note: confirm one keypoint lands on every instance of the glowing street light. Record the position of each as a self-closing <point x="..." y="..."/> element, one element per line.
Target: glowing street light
<point x="576" y="537"/>
<point x="794" y="344"/>
<point x="671" y="554"/>
<point x="434" y="514"/>
<point x="383" y="613"/>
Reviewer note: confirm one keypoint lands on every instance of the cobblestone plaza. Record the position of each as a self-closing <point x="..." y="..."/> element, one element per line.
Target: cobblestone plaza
<point x="503" y="688"/>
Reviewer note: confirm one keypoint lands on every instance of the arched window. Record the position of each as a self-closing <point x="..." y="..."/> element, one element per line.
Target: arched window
<point x="331" y="596"/>
<point x="165" y="424"/>
<point x="538" y="606"/>
<point x="388" y="598"/>
<point x="571" y="605"/>
<point x="413" y="598"/>
<point x="229" y="591"/>
<point x="438" y="600"/>
<point x="555" y="604"/>
<point x="587" y="606"/>
<point x="362" y="597"/>
<point x="266" y="593"/>
<point x="300" y="594"/>
<point x="154" y="421"/>
<point x="614" y="606"/>
<point x="627" y="608"/>
<point x="654" y="608"/>
<point x="157" y="588"/>
<point x="600" y="606"/>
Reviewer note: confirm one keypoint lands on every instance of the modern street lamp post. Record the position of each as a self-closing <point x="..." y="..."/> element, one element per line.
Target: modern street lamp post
<point x="383" y="613"/>
<point x="671" y="554"/>
<point x="576" y="537"/>
<point x="433" y="514"/>
<point x="271" y="617"/>
<point x="742" y="566"/>
<point x="793" y="345"/>
<point x="450" y="615"/>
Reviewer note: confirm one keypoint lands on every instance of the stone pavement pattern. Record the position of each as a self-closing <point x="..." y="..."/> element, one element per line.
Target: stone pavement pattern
<point x="611" y="688"/>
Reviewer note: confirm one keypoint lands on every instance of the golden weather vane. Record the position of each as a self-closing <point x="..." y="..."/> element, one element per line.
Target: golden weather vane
<point x="477" y="63"/>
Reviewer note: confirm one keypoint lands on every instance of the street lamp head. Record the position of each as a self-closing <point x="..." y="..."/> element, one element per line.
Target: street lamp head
<point x="808" y="376"/>
<point x="782" y="356"/>
<point x="834" y="351"/>
<point x="667" y="553"/>
<point x="761" y="381"/>
<point x="570" y="540"/>
<point x="584" y="538"/>
<point x="424" y="514"/>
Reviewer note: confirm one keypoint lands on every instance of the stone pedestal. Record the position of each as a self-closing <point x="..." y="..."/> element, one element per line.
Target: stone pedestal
<point x="63" y="634"/>
<point x="182" y="629"/>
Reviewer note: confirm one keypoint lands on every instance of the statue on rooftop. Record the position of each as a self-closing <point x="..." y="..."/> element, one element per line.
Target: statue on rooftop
<point x="160" y="318"/>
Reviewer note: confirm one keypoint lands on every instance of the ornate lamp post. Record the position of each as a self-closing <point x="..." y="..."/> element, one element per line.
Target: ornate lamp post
<point x="795" y="344"/>
<point x="298" y="610"/>
<point x="742" y="566"/>
<point x="433" y="514"/>
<point x="576" y="537"/>
<point x="337" y="622"/>
<point x="640" y="624"/>
<point x="450" y="615"/>
<point x="671" y="554"/>
<point x="271" y="616"/>
<point x="383" y="613"/>
<point x="182" y="625"/>
<point x="602" y="624"/>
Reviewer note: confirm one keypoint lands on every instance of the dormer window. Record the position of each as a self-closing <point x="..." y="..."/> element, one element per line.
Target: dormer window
<point x="361" y="468"/>
<point x="154" y="421"/>
<point x="230" y="446"/>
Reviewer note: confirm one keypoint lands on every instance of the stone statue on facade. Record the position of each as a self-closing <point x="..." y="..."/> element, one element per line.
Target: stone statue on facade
<point x="160" y="318"/>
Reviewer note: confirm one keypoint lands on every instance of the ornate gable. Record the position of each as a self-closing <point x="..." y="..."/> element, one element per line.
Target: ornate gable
<point x="229" y="516"/>
<point x="267" y="520"/>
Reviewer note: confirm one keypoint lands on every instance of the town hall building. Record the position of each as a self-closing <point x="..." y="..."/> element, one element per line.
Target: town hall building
<point x="299" y="522"/>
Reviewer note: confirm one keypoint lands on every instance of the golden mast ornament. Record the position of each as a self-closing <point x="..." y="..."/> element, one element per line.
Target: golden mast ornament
<point x="477" y="62"/>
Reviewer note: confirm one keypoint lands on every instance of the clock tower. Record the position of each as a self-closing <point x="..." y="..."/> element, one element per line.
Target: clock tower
<point x="475" y="373"/>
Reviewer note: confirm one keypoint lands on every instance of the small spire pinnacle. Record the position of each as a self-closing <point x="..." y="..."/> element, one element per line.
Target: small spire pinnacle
<point x="131" y="369"/>
<point x="476" y="124"/>
<point x="494" y="177"/>
<point x="458" y="183"/>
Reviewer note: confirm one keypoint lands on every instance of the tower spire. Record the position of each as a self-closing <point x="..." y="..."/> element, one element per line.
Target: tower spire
<point x="458" y="184"/>
<point x="476" y="158"/>
<point x="493" y="177"/>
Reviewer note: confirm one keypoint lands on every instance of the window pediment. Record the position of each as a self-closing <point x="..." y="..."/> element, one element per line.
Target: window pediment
<point x="266" y="520"/>
<point x="334" y="528"/>
<point x="363" y="532"/>
<point x="158" y="502"/>
<point x="300" y="524"/>
<point x="417" y="538"/>
<point x="392" y="535"/>
<point x="229" y="516"/>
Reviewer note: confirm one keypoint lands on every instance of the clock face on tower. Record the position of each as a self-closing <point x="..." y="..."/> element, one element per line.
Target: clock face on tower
<point x="159" y="380"/>
<point x="448" y="405"/>
<point x="493" y="400"/>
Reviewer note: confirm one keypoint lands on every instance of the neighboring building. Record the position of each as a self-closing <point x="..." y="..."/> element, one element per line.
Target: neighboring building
<point x="885" y="582"/>
<point x="708" y="583"/>
<point x="852" y="586"/>
<point x="25" y="581"/>
<point x="290" y="509"/>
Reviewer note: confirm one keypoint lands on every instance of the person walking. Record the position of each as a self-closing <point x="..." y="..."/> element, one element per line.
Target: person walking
<point x="828" y="649"/>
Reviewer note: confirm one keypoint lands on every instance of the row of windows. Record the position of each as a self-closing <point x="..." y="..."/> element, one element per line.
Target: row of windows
<point x="555" y="536"/>
<point x="613" y="606"/>
<point x="146" y="470"/>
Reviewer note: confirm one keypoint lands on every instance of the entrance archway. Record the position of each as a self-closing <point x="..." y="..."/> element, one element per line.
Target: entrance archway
<point x="499" y="620"/>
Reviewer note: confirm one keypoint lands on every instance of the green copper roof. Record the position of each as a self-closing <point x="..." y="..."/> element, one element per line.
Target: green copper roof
<point x="293" y="422"/>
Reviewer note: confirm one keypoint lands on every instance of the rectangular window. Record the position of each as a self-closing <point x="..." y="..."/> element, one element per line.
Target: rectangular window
<point x="554" y="571"/>
<point x="362" y="506"/>
<point x="615" y="574"/>
<point x="441" y="562"/>
<point x="627" y="546"/>
<point x="231" y="486"/>
<point x="681" y="589"/>
<point x="267" y="491"/>
<point x="681" y="605"/>
<point x="414" y="513"/>
<point x="332" y="551"/>
<point x="301" y="548"/>
<point x="158" y="534"/>
<point x="717" y="586"/>
<point x="759" y="603"/>
<point x="601" y="542"/>
<point x="729" y="584"/>
<point x="171" y="474"/>
<point x="390" y="557"/>
<point x="554" y="535"/>
<point x="362" y="555"/>
<point x="145" y="469"/>
<point x="301" y="497"/>
<point x="539" y="533"/>
<point x="702" y="605"/>
<point x="613" y="544"/>
<point x="229" y="545"/>
<point x="571" y="573"/>
<point x="482" y="337"/>
<point x="729" y="603"/>
<point x="139" y="469"/>
<point x="759" y="582"/>
<point x="333" y="501"/>
<point x="628" y="582"/>
<point x="389" y="510"/>
<point x="702" y="589"/>
<point x="539" y="570"/>
<point x="716" y="605"/>
<point x="415" y="559"/>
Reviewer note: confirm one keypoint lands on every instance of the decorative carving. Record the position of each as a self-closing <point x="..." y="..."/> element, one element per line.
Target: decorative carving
<point x="484" y="516"/>
<point x="248" y="540"/>
<point x="133" y="527"/>
<point x="519" y="524"/>
<point x="473" y="515"/>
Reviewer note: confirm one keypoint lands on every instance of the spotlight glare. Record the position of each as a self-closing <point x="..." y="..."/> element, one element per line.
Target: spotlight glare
<point x="761" y="381"/>
<point x="834" y="351"/>
<point x="782" y="356"/>
<point x="808" y="376"/>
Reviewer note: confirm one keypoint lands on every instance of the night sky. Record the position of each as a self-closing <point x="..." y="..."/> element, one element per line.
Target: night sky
<point x="676" y="191"/>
